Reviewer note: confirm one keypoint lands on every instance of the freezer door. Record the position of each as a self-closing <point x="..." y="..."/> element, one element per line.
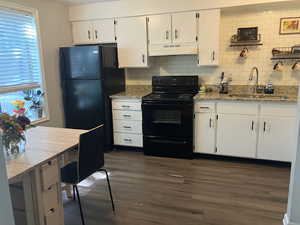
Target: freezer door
<point x="81" y="62"/>
<point x="84" y="104"/>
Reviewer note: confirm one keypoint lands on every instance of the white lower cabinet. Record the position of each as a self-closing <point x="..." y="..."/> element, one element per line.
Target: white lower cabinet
<point x="236" y="135"/>
<point x="204" y="139"/>
<point x="277" y="138"/>
<point x="247" y="129"/>
<point x="127" y="122"/>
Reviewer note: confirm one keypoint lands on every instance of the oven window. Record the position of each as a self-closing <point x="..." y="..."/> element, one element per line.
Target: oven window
<point x="166" y="117"/>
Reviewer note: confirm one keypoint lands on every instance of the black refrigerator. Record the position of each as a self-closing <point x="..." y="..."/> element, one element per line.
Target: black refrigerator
<point x="89" y="75"/>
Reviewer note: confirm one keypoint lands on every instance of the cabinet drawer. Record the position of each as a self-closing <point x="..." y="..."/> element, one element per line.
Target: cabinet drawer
<point x="50" y="198"/>
<point x="134" y="140"/>
<point x="126" y="105"/>
<point x="125" y="126"/>
<point x="52" y="217"/>
<point x="127" y="115"/>
<point x="204" y="106"/>
<point x="49" y="173"/>
<point x="279" y="109"/>
<point x="241" y="108"/>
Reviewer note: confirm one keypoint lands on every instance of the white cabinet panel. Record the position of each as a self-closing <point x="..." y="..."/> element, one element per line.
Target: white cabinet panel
<point x="132" y="42"/>
<point x="209" y="37"/>
<point x="159" y="29"/>
<point x="277" y="139"/>
<point x="126" y="105"/>
<point x="205" y="131"/>
<point x="82" y="32"/>
<point x="104" y="31"/>
<point x="184" y="27"/>
<point x="127" y="115"/>
<point x="132" y="140"/>
<point x="237" y="135"/>
<point x="242" y="108"/>
<point x="279" y="109"/>
<point x="133" y="127"/>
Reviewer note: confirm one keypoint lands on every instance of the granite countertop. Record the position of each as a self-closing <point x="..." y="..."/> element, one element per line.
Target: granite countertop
<point x="134" y="91"/>
<point x="244" y="93"/>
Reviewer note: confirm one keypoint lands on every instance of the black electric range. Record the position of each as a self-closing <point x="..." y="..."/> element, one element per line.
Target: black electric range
<point x="168" y="116"/>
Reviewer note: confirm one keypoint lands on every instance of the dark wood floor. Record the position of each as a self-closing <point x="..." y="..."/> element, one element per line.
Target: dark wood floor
<point x="164" y="191"/>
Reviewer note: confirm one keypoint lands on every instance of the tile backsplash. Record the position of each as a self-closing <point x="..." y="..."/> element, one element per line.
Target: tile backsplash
<point x="267" y="20"/>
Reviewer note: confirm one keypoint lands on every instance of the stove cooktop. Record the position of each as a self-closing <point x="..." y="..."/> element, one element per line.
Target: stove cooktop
<point x="168" y="97"/>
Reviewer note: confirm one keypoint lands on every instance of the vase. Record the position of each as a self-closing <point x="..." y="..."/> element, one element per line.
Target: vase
<point x="14" y="149"/>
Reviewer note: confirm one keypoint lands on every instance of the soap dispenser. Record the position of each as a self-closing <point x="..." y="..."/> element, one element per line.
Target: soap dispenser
<point x="269" y="89"/>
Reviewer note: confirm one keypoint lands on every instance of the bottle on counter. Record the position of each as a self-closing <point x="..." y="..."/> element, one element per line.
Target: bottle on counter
<point x="269" y="89"/>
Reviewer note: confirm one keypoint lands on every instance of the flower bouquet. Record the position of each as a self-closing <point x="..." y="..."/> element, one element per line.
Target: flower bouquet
<point x="13" y="130"/>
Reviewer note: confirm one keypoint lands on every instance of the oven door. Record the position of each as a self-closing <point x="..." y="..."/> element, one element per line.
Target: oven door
<point x="168" y="120"/>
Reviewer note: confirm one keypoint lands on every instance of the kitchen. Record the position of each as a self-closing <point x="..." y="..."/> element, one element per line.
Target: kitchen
<point x="221" y="92"/>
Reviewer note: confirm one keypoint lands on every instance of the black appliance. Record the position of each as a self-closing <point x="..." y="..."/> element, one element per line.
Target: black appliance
<point x="89" y="75"/>
<point x="168" y="116"/>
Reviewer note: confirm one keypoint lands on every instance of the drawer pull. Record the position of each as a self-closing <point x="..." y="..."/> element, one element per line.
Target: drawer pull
<point x="126" y="127"/>
<point x="202" y="107"/>
<point x="52" y="210"/>
<point x="50" y="188"/>
<point x="128" y="116"/>
<point x="125" y="106"/>
<point x="128" y="139"/>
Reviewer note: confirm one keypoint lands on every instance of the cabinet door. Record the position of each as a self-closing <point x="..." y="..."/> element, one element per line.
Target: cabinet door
<point x="204" y="133"/>
<point x="184" y="27"/>
<point x="159" y="29"/>
<point x="132" y="42"/>
<point x="82" y="32"/>
<point x="209" y="37"/>
<point x="104" y="31"/>
<point x="277" y="138"/>
<point x="236" y="135"/>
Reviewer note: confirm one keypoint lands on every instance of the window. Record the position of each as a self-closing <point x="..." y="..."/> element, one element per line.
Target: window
<point x="20" y="62"/>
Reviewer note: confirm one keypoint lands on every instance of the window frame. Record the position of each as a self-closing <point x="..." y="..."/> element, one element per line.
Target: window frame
<point x="34" y="12"/>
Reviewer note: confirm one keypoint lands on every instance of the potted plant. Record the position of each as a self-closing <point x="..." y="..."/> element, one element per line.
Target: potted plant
<point x="13" y="129"/>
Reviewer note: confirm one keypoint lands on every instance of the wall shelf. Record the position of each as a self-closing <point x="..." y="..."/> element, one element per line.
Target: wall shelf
<point x="243" y="44"/>
<point x="284" y="53"/>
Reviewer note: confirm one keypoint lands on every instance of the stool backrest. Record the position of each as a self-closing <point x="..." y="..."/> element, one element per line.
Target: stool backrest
<point x="91" y="152"/>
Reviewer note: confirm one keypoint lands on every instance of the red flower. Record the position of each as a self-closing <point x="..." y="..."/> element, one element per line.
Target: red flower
<point x="19" y="111"/>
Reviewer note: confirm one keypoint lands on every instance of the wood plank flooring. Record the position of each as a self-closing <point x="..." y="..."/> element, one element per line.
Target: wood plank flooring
<point x="165" y="191"/>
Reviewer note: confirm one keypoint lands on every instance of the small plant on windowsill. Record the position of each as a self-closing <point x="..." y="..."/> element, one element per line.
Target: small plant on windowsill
<point x="36" y="98"/>
<point x="13" y="130"/>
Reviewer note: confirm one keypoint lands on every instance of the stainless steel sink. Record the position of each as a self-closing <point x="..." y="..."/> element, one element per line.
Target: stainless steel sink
<point x="260" y="96"/>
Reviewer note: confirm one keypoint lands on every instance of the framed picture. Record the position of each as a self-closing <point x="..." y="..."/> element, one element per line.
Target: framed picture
<point x="289" y="25"/>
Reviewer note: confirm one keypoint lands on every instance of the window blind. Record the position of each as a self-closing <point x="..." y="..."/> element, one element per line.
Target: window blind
<point x="19" y="52"/>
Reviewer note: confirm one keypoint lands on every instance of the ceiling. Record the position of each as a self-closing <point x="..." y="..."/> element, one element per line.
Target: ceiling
<point x="76" y="2"/>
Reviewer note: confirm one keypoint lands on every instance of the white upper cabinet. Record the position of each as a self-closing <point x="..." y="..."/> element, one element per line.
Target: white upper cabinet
<point x="104" y="31"/>
<point x="173" y="34"/>
<point x="160" y="29"/>
<point x="209" y="37"/>
<point x="184" y="28"/>
<point x="93" y="32"/>
<point x="82" y="32"/>
<point x="132" y="42"/>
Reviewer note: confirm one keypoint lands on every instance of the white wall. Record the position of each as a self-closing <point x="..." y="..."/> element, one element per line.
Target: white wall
<point x="55" y="32"/>
<point x="267" y="19"/>
<point x="124" y="8"/>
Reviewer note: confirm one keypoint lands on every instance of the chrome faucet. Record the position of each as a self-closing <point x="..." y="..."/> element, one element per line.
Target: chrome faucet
<point x="256" y="89"/>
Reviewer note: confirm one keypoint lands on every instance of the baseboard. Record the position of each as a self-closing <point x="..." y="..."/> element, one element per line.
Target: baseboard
<point x="286" y="221"/>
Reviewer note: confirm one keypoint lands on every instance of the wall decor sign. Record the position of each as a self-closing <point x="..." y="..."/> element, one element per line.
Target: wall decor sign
<point x="289" y="25"/>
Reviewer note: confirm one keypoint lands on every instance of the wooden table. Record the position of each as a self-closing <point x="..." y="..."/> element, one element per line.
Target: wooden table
<point x="36" y="173"/>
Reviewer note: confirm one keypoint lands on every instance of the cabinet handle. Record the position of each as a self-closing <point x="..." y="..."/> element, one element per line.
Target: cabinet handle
<point x="167" y="35"/>
<point x="96" y="34"/>
<point x="128" y="140"/>
<point x="125" y="106"/>
<point x="213" y="55"/>
<point x="252" y="125"/>
<point x="176" y="33"/>
<point x="265" y="124"/>
<point x="128" y="116"/>
<point x="210" y="121"/>
<point x="126" y="127"/>
<point x="202" y="107"/>
<point x="89" y="35"/>
<point x="143" y="58"/>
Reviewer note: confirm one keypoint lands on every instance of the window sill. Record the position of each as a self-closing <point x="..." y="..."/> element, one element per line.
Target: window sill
<point x="39" y="121"/>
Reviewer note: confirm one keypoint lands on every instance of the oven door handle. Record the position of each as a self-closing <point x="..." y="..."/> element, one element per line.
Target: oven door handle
<point x="169" y="142"/>
<point x="176" y="106"/>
